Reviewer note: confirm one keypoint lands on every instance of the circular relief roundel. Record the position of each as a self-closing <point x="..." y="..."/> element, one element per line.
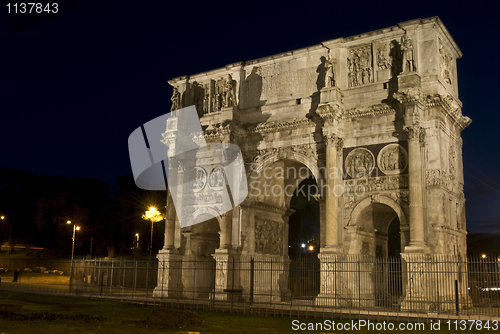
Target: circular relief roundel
<point x="359" y="163"/>
<point x="216" y="179"/>
<point x="198" y="177"/>
<point x="392" y="159"/>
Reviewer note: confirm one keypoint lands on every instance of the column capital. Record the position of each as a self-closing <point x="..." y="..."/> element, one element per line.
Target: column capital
<point x="334" y="141"/>
<point x="415" y="132"/>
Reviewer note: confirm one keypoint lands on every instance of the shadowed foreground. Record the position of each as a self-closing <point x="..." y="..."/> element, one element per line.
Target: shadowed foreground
<point x="26" y="313"/>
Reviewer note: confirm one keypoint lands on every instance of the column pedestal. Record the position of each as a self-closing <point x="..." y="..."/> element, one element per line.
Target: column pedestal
<point x="331" y="94"/>
<point x="329" y="280"/>
<point x="169" y="274"/>
<point x="226" y="273"/>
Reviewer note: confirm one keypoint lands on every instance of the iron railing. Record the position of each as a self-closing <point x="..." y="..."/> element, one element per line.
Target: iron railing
<point x="431" y="284"/>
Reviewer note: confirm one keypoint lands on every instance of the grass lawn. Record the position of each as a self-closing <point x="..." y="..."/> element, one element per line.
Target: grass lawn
<point x="25" y="313"/>
<point x="36" y="278"/>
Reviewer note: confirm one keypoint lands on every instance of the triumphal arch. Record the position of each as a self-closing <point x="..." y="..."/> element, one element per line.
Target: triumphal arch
<point x="374" y="118"/>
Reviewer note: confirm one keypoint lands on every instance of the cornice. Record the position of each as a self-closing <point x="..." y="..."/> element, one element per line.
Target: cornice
<point x="281" y="126"/>
<point x="379" y="109"/>
<point x="446" y="103"/>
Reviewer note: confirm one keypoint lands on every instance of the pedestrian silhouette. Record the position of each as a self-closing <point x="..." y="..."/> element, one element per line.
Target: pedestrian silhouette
<point x="16" y="274"/>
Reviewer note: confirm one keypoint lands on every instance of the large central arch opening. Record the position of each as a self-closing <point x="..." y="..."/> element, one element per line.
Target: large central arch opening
<point x="304" y="241"/>
<point x="289" y="186"/>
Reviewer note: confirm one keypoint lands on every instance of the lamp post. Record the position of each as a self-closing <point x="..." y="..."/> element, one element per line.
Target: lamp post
<point x="75" y="228"/>
<point x="2" y="218"/>
<point x="10" y="227"/>
<point x="91" y="239"/>
<point x="152" y="215"/>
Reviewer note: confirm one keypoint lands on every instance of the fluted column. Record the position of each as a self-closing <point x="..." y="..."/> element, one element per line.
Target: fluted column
<point x="226" y="230"/>
<point x="417" y="231"/>
<point x="169" y="223"/>
<point x="333" y="146"/>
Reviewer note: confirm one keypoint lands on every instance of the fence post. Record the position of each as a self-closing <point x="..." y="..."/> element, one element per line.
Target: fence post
<point x="232" y="289"/>
<point x="456" y="297"/>
<point x="135" y="275"/>
<point x="93" y="275"/>
<point x="271" y="290"/>
<point x="71" y="275"/>
<point x="251" y="279"/>
<point x="147" y="277"/>
<point x="123" y="265"/>
<point x="102" y="280"/>
<point x="111" y="275"/>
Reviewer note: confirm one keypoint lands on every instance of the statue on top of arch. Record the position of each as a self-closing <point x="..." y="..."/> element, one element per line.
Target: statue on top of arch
<point x="408" y="54"/>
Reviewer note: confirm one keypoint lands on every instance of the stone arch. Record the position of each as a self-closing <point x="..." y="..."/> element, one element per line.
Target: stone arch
<point x="260" y="174"/>
<point x="309" y="162"/>
<point x="364" y="204"/>
<point x="207" y="214"/>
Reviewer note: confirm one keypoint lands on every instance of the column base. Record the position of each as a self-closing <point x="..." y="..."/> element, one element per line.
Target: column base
<point x="417" y="248"/>
<point x="336" y="250"/>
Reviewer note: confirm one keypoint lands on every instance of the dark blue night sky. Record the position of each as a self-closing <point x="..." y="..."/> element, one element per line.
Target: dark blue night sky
<point x="74" y="88"/>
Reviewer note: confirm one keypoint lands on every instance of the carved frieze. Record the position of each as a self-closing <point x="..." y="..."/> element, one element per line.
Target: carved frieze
<point x="224" y="93"/>
<point x="388" y="59"/>
<point x="268" y="236"/>
<point x="282" y="126"/>
<point x="437" y="177"/>
<point x="383" y="59"/>
<point x="359" y="63"/>
<point x="375" y="110"/>
<point x="360" y="186"/>
<point x="202" y="198"/>
<point x="359" y="163"/>
<point x="452" y="161"/>
<point x="445" y="65"/>
<point x="392" y="159"/>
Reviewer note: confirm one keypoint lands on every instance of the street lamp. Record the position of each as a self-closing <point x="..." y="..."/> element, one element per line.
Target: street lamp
<point x="152" y="215"/>
<point x="137" y="241"/>
<point x="75" y="228"/>
<point x="10" y="228"/>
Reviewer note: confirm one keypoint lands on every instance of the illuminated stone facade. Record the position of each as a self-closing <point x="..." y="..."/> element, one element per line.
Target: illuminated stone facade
<point x="375" y="118"/>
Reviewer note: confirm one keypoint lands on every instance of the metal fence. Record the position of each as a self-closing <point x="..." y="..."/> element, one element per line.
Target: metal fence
<point x="426" y="286"/>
